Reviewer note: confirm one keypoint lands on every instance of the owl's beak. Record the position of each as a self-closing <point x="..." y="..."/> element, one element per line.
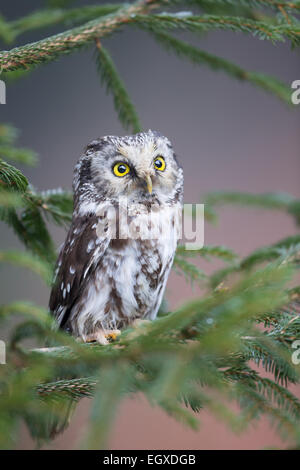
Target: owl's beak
<point x="149" y="183"/>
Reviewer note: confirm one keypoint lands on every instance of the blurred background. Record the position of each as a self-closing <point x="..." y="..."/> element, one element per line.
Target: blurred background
<point x="227" y="134"/>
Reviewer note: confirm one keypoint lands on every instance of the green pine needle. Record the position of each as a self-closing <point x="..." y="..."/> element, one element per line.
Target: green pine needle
<point x="11" y="178"/>
<point x="46" y="18"/>
<point x="273" y="201"/>
<point x="114" y="84"/>
<point x="26" y="260"/>
<point x="200" y="57"/>
<point x="24" y="156"/>
<point x="182" y="21"/>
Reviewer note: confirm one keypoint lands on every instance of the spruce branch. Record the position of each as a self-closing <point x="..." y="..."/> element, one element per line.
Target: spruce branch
<point x="193" y="23"/>
<point x="73" y="388"/>
<point x="275" y="4"/>
<point x="285" y="250"/>
<point x="12" y="178"/>
<point x="160" y="362"/>
<point x="56" y="205"/>
<point x="24" y="156"/>
<point x="26" y="213"/>
<point x="114" y="84"/>
<point x="280" y="395"/>
<point x="208" y="252"/>
<point x="8" y="134"/>
<point x="28" y="261"/>
<point x="27" y="309"/>
<point x="247" y="8"/>
<point x="191" y="272"/>
<point x="272" y="355"/>
<point x="105" y="404"/>
<point x="198" y="356"/>
<point x="288" y="248"/>
<point x="271" y="201"/>
<point x="8" y="199"/>
<point x="32" y="231"/>
<point x="73" y="39"/>
<point x="40" y="19"/>
<point x="136" y="13"/>
<point x="200" y="57"/>
<point x="22" y="208"/>
<point x="254" y="404"/>
<point x="222" y="7"/>
<point x="188" y="270"/>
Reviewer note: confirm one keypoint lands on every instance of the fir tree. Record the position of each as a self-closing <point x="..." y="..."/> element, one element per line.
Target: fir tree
<point x="203" y="354"/>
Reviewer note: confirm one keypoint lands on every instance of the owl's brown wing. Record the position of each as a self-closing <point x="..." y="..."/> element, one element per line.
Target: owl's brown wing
<point x="78" y="258"/>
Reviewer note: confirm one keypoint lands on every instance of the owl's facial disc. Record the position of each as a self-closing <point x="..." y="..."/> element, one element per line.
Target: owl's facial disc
<point x="146" y="170"/>
<point x="142" y="168"/>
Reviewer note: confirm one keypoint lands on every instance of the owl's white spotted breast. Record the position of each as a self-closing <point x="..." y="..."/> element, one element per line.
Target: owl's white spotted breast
<point x="130" y="277"/>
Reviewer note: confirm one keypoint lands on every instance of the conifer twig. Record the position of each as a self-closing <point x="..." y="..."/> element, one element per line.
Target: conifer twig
<point x="53" y="16"/>
<point x="113" y="82"/>
<point x="64" y="43"/>
<point x="189" y="22"/>
<point x="198" y="56"/>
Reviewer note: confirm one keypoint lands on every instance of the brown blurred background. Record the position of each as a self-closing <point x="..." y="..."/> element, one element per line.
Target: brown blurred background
<point x="228" y="136"/>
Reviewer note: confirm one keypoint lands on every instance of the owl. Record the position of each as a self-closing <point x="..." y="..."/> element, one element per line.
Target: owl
<point x="113" y="267"/>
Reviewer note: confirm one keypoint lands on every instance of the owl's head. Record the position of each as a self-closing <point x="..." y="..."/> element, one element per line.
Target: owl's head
<point x="140" y="167"/>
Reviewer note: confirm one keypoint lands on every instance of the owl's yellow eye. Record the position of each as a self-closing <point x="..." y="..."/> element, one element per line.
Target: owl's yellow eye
<point x="159" y="163"/>
<point x="121" y="169"/>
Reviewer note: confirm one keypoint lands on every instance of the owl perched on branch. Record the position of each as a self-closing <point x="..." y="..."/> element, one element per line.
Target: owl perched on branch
<point x="113" y="267"/>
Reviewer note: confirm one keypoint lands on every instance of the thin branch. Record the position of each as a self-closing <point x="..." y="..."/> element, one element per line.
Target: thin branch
<point x="49" y="17"/>
<point x="293" y="6"/>
<point x="64" y="43"/>
<point x="277" y="4"/>
<point x="189" y="22"/>
<point x="74" y="388"/>
<point x="284" y="13"/>
<point x="115" y="85"/>
<point x="200" y="57"/>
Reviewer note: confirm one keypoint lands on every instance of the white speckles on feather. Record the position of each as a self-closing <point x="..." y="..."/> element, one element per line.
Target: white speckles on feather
<point x="120" y="275"/>
<point x="87" y="207"/>
<point x="90" y="246"/>
<point x="124" y="270"/>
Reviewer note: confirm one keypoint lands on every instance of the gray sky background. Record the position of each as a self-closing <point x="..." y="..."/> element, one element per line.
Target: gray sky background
<point x="227" y="134"/>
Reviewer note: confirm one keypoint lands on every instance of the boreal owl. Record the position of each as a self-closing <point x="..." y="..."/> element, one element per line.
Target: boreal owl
<point x="114" y="264"/>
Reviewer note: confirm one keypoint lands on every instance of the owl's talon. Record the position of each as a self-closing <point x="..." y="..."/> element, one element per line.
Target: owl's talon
<point x="98" y="337"/>
<point x="112" y="334"/>
<point x="103" y="337"/>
